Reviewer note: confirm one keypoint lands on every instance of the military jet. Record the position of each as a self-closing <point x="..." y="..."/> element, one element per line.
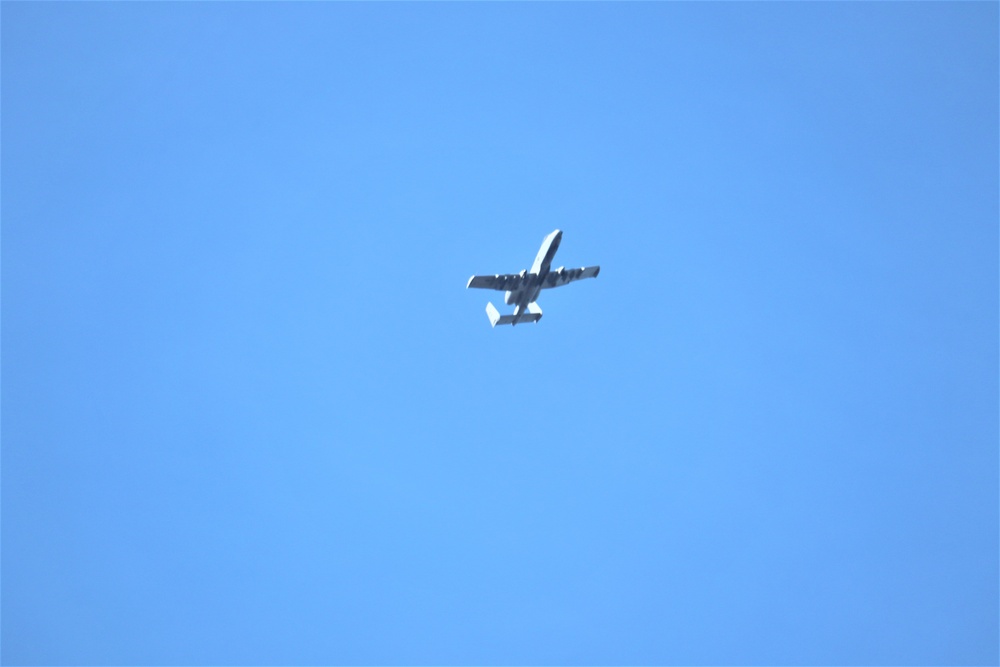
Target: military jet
<point x="521" y="289"/>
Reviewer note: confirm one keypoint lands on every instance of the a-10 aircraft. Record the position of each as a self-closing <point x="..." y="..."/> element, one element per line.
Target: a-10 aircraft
<point x="523" y="288"/>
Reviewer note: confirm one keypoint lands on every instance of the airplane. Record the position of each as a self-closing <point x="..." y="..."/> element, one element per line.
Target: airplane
<point x="521" y="289"/>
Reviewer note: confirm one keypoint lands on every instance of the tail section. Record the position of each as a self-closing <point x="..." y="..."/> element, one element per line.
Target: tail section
<point x="533" y="315"/>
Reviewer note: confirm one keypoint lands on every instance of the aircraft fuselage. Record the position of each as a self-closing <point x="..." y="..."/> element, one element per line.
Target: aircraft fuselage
<point x="528" y="292"/>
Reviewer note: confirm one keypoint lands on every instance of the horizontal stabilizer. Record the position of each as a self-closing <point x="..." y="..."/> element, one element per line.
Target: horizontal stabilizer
<point x="533" y="315"/>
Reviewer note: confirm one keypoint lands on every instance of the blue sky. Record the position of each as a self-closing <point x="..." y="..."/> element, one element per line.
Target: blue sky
<point x="251" y="415"/>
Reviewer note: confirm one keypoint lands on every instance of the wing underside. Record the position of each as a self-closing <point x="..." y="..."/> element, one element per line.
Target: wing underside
<point x="563" y="276"/>
<point x="501" y="281"/>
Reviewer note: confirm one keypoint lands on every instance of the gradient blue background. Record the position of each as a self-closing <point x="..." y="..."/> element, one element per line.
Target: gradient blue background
<point x="251" y="415"/>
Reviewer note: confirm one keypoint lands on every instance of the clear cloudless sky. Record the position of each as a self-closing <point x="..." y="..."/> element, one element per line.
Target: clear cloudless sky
<point x="250" y="413"/>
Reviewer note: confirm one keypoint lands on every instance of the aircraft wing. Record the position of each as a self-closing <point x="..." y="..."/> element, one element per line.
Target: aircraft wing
<point x="501" y="281"/>
<point x="563" y="276"/>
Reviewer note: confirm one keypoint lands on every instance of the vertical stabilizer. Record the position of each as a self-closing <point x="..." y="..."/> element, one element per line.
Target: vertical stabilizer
<point x="493" y="314"/>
